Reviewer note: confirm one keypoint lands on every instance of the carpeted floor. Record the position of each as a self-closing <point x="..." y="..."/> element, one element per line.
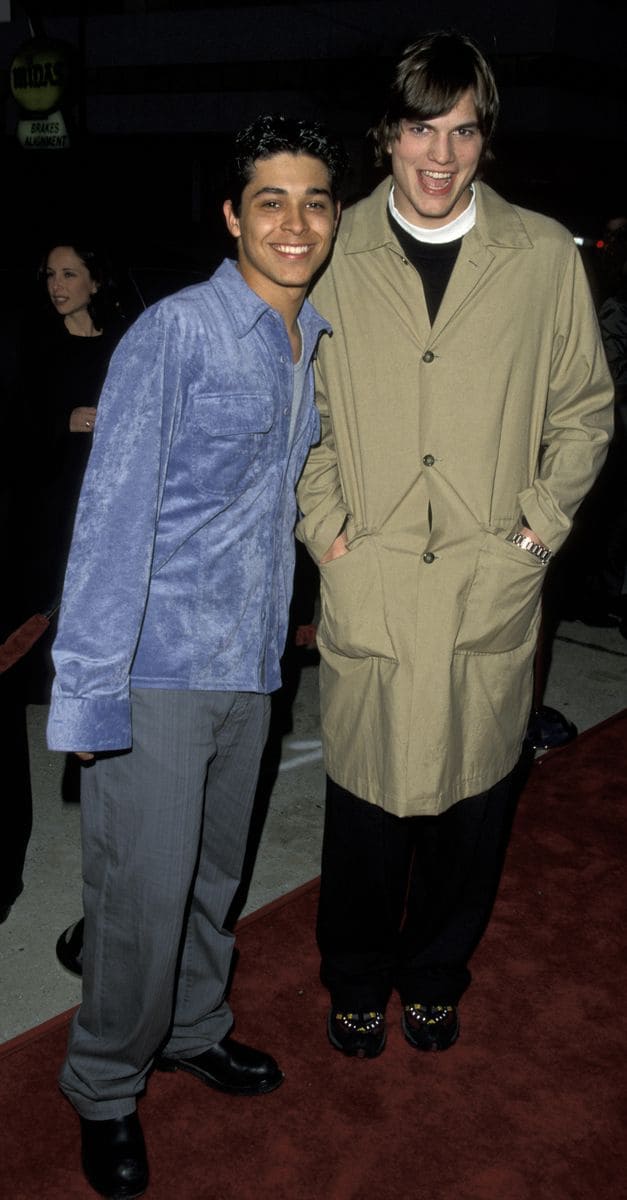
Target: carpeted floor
<point x="527" y="1105"/>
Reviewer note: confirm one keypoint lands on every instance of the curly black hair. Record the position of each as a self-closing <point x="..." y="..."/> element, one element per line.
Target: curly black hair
<point x="271" y="134"/>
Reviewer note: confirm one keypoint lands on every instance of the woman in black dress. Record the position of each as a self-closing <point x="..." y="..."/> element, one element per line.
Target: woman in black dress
<point x="63" y="376"/>
<point x="53" y="368"/>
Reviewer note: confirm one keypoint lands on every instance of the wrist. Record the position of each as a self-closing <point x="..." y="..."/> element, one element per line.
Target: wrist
<point x="525" y="540"/>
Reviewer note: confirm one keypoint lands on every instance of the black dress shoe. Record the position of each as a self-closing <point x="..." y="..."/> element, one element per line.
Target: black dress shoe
<point x="357" y="1034"/>
<point x="231" y="1067"/>
<point x="114" y="1157"/>
<point x="69" y="949"/>
<point x="548" y="727"/>
<point x="430" y="1026"/>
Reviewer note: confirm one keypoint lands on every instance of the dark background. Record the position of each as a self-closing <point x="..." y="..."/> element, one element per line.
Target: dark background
<point x="160" y="86"/>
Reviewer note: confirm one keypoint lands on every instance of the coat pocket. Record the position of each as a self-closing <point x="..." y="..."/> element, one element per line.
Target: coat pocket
<point x="353" y="621"/>
<point x="501" y="609"/>
<point x="229" y="441"/>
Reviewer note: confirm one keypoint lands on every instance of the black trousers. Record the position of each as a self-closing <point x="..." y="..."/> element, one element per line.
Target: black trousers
<point x="17" y="804"/>
<point x="405" y="901"/>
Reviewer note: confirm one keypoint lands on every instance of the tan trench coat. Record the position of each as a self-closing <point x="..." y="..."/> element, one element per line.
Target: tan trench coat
<point x="436" y="440"/>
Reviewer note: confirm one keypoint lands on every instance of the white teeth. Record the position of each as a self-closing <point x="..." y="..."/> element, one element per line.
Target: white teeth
<point x="287" y="249"/>
<point x="437" y="174"/>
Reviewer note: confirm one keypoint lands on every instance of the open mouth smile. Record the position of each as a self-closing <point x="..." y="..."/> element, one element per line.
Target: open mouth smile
<point x="436" y="182"/>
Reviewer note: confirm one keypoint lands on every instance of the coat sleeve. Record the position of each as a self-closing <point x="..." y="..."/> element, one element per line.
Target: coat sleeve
<point x="319" y="493"/>
<point x="108" y="575"/>
<point x="579" y="414"/>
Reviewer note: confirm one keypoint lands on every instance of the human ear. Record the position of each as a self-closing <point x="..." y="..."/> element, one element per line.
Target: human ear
<point x="232" y="222"/>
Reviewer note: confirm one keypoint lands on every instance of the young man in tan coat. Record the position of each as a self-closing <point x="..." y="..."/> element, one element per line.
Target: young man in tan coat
<point x="466" y="409"/>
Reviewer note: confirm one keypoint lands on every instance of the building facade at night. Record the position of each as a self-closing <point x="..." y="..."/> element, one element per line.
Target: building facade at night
<point x="157" y="88"/>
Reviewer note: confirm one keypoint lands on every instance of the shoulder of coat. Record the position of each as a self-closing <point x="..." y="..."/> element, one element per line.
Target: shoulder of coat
<point x="364" y="225"/>
<point x="502" y="223"/>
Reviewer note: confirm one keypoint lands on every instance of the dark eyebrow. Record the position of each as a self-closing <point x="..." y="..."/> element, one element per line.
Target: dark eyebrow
<point x="278" y="191"/>
<point x="425" y="121"/>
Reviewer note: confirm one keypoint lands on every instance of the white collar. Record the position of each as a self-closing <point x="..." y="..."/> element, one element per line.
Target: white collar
<point x="446" y="233"/>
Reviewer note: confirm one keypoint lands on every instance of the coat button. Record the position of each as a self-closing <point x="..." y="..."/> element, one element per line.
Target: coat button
<point x="428" y="356"/>
<point x="428" y="557"/>
<point x="428" y="460"/>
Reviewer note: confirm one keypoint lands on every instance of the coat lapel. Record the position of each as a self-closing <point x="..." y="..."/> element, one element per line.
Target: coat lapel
<point x="473" y="261"/>
<point x="498" y="227"/>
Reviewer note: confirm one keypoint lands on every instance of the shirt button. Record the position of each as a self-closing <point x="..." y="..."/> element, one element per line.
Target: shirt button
<point x="428" y="558"/>
<point x="428" y="356"/>
<point x="428" y="460"/>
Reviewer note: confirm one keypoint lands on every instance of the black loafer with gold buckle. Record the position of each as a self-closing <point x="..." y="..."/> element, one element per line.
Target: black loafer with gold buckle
<point x="357" y="1034"/>
<point x="430" y="1026"/>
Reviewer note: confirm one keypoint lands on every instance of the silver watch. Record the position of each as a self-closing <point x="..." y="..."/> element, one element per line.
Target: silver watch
<point x="542" y="554"/>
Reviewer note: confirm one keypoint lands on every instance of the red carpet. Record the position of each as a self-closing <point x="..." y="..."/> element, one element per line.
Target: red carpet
<point x="527" y="1106"/>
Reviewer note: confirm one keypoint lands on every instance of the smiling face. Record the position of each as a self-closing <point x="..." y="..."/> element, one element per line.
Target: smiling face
<point x="285" y="226"/>
<point x="70" y="286"/>
<point x="434" y="162"/>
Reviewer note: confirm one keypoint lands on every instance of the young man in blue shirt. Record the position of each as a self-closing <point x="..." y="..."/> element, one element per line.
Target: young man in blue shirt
<point x="173" y="621"/>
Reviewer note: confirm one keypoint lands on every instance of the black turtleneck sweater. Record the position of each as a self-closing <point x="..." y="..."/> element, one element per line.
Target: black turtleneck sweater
<point x="433" y="262"/>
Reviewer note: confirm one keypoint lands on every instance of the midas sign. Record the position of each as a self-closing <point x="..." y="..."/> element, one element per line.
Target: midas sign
<point x="39" y="76"/>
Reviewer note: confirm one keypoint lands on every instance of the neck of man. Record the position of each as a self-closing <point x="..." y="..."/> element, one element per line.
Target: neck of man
<point x="287" y="301"/>
<point x="450" y="232"/>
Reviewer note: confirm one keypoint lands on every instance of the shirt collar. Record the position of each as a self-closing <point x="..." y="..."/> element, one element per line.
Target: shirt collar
<point x="445" y="233"/>
<point x="246" y="307"/>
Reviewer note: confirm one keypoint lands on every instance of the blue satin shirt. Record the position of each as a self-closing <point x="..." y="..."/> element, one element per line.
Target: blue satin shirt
<point x="181" y="567"/>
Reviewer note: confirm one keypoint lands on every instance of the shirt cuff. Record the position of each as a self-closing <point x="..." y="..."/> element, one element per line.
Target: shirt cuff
<point x="77" y="723"/>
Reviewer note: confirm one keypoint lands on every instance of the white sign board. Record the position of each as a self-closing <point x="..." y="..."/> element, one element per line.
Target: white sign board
<point x="43" y="133"/>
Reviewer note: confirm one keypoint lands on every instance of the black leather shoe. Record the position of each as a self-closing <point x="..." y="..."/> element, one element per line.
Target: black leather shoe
<point x="231" y="1067"/>
<point x="430" y="1026"/>
<point x="357" y="1034"/>
<point x="114" y="1157"/>
<point x="548" y="727"/>
<point x="69" y="949"/>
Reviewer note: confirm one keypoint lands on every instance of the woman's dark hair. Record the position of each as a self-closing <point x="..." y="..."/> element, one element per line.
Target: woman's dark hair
<point x="103" y="305"/>
<point x="272" y="134"/>
<point x="430" y="80"/>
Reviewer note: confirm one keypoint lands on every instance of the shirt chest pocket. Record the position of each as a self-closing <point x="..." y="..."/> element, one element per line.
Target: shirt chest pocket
<point x="230" y="440"/>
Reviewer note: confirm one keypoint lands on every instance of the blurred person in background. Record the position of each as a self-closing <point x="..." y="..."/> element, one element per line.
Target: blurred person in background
<point x="613" y="322"/>
<point x="589" y="581"/>
<point x="64" y="366"/>
<point x="16" y="808"/>
<point x="64" y="357"/>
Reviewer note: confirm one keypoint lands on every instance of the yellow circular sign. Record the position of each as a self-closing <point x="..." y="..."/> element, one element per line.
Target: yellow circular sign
<point x="39" y="75"/>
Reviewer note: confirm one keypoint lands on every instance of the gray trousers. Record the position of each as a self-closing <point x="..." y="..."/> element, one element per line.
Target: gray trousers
<point x="164" y="830"/>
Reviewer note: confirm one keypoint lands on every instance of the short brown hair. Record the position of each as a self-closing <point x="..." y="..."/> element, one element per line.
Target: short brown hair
<point x="431" y="78"/>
